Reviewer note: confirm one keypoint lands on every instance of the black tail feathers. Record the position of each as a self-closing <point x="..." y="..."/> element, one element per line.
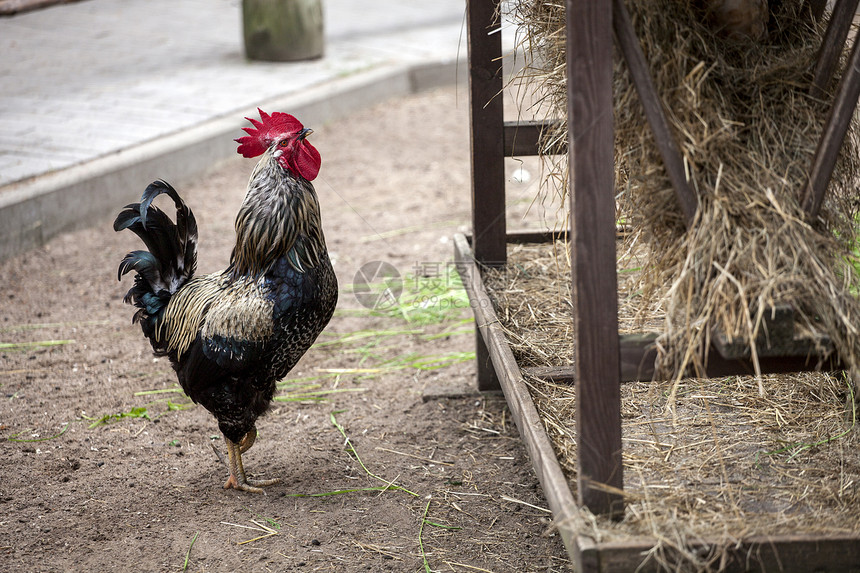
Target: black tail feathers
<point x="171" y="258"/>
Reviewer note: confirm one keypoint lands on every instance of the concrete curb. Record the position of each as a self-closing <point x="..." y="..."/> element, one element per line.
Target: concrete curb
<point x="35" y="210"/>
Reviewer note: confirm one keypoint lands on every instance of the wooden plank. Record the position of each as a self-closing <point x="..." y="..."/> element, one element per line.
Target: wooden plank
<point x="586" y="555"/>
<point x="835" y="128"/>
<point x="815" y="8"/>
<point x="776" y="339"/>
<point x="831" y="47"/>
<point x="718" y="367"/>
<point x="592" y="215"/>
<point x="787" y="553"/>
<point x="522" y="138"/>
<point x="526" y="417"/>
<point x="523" y="236"/>
<point x="487" y="131"/>
<point x="488" y="381"/>
<point x="625" y="35"/>
<point x="638" y="354"/>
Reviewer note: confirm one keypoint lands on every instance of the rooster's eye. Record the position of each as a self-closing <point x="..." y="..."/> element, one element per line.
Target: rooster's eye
<point x="284" y="143"/>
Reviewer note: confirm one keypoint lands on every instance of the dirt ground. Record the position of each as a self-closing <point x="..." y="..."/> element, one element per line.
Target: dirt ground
<point x="142" y="489"/>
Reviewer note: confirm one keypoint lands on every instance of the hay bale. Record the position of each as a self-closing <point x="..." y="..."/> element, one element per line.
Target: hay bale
<point x="747" y="129"/>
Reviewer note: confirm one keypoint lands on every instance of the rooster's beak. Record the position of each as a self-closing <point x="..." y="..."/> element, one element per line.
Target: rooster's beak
<point x="304" y="133"/>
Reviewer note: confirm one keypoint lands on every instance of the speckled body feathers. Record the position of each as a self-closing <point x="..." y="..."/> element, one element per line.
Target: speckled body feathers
<point x="232" y="335"/>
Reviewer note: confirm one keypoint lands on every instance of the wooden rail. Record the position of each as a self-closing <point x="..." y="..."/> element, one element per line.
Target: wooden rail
<point x="526" y="417"/>
<point x="625" y="35"/>
<point x="831" y="47"/>
<point x="523" y="138"/>
<point x="637" y="355"/>
<point x="835" y="127"/>
<point x="487" y="132"/>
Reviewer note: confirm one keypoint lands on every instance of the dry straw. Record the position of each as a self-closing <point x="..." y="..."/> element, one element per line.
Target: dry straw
<point x="747" y="130"/>
<point x="721" y="458"/>
<point x="727" y="463"/>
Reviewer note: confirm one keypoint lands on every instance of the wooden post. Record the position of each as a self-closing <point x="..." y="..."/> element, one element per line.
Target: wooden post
<point x="835" y="128"/>
<point x="283" y="30"/>
<point x="831" y="47"/>
<point x="653" y="106"/>
<point x="592" y="215"/>
<point x="488" y="380"/>
<point x="487" y="132"/>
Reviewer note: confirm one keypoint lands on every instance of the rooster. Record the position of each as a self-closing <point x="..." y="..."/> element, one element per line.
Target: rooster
<point x="231" y="335"/>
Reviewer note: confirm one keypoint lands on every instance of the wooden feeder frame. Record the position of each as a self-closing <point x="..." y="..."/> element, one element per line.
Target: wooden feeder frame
<point x="603" y="358"/>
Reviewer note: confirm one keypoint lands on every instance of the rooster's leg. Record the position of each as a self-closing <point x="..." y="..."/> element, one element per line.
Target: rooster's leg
<point x="248" y="440"/>
<point x="238" y="479"/>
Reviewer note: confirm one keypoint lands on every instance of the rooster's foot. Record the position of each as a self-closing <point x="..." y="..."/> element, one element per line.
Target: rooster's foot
<point x="238" y="479"/>
<point x="249" y="485"/>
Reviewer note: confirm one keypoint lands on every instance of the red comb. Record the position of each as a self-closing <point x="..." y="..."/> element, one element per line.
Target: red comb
<point x="265" y="131"/>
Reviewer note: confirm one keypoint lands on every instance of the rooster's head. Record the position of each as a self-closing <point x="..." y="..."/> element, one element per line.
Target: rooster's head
<point x="287" y="137"/>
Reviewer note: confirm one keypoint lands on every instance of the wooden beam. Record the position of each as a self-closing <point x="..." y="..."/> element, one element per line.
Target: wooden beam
<point x="592" y="216"/>
<point x="487" y="131"/>
<point x="522" y="236"/>
<point x="638" y="354"/>
<point x="523" y="139"/>
<point x="815" y="8"/>
<point x="554" y="483"/>
<point x="488" y="381"/>
<point x="625" y="35"/>
<point x="835" y="128"/>
<point x="831" y="47"/>
<point x="786" y="553"/>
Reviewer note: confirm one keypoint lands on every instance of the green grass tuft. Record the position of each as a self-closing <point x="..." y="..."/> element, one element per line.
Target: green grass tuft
<point x="139" y="412"/>
<point x="15" y="438"/>
<point x="23" y="346"/>
<point x="136" y="412"/>
<point x="434" y="299"/>
<point x="188" y="553"/>
<point x="389" y="485"/>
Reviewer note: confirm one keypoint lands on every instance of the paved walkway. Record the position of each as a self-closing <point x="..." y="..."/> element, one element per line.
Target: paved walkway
<point x="97" y="95"/>
<point x="82" y="80"/>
